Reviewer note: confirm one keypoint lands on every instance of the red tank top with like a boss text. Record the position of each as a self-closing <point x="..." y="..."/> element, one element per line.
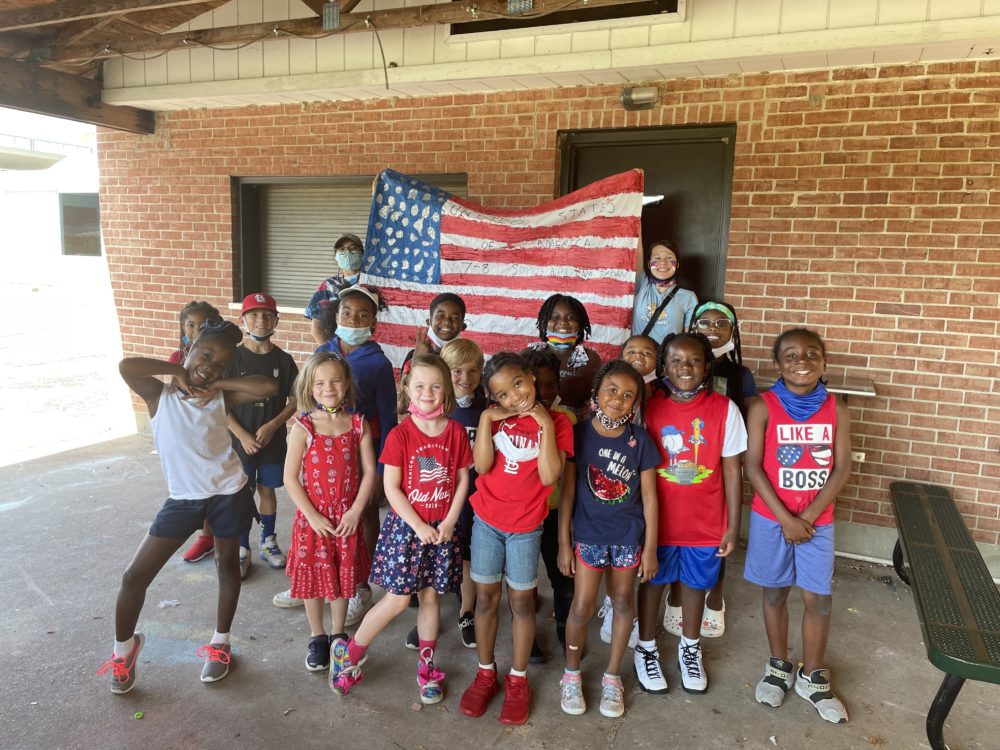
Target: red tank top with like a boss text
<point x="798" y="457"/>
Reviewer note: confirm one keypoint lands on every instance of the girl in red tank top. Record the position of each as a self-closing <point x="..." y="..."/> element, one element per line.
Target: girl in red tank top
<point x="798" y="459"/>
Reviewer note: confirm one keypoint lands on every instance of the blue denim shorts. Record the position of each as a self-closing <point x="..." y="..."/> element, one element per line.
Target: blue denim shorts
<point x="501" y="555"/>
<point x="695" y="567"/>
<point x="604" y="556"/>
<point x="774" y="563"/>
<point x="266" y="475"/>
<point x="229" y="516"/>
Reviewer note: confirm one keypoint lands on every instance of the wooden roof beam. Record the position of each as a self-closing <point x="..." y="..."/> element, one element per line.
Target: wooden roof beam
<point x="466" y="11"/>
<point x="77" y="10"/>
<point x="48" y="92"/>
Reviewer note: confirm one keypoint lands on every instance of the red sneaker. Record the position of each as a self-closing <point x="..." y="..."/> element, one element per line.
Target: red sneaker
<point x="202" y="547"/>
<point x="516" y="700"/>
<point x="479" y="694"/>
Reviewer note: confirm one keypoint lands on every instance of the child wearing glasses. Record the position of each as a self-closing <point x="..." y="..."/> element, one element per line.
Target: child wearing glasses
<point x="719" y="324"/>
<point x="661" y="306"/>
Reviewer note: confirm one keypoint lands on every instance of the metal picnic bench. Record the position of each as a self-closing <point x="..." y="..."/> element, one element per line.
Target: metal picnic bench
<point x="958" y="604"/>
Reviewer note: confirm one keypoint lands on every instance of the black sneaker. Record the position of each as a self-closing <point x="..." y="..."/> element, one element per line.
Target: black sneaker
<point x="413" y="640"/>
<point x="318" y="658"/>
<point x="467" y="626"/>
<point x="537" y="656"/>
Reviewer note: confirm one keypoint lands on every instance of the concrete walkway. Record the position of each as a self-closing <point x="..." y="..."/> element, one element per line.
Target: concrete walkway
<point x="73" y="520"/>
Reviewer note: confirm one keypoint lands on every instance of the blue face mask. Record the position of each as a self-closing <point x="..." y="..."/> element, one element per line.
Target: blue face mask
<point x="353" y="336"/>
<point x="349" y="260"/>
<point x="186" y="340"/>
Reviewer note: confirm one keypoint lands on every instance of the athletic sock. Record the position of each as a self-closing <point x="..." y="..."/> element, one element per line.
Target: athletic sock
<point x="355" y="651"/>
<point x="518" y="673"/>
<point x="488" y="667"/>
<point x="432" y="645"/>
<point x="267" y="525"/>
<point x="648" y="645"/>
<point x="245" y="540"/>
<point x="123" y="647"/>
<point x="220" y="638"/>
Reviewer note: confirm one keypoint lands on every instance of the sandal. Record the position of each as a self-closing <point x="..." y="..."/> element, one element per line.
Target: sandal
<point x="713" y="623"/>
<point x="672" y="621"/>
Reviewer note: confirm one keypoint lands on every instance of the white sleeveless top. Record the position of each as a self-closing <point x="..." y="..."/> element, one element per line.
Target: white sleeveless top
<point x="196" y="451"/>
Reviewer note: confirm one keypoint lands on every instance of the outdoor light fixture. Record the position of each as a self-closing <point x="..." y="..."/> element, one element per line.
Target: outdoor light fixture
<point x="636" y="97"/>
<point x="331" y="16"/>
<point x="519" y="6"/>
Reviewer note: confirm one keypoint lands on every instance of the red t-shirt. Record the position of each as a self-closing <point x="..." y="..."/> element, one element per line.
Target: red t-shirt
<point x="429" y="465"/>
<point x="510" y="496"/>
<point x="798" y="457"/>
<point x="692" y="439"/>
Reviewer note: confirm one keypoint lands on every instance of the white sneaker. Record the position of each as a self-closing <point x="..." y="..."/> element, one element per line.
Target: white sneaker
<point x="285" y="600"/>
<point x="271" y="553"/>
<point x="693" y="677"/>
<point x="647" y="669"/>
<point x="608" y="613"/>
<point x="357" y="605"/>
<point x="777" y="681"/>
<point x="816" y="689"/>
<point x="244" y="563"/>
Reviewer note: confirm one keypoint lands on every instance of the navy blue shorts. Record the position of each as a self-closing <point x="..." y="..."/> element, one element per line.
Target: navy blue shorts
<point x="266" y="475"/>
<point x="604" y="556"/>
<point x="229" y="516"/>
<point x="695" y="567"/>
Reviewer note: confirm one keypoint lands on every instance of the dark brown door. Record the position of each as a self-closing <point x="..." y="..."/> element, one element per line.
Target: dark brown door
<point x="691" y="166"/>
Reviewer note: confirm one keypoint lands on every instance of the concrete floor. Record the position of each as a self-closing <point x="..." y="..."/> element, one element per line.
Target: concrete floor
<point x="73" y="520"/>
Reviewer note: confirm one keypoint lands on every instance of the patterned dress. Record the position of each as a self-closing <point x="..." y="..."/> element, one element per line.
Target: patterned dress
<point x="329" y="567"/>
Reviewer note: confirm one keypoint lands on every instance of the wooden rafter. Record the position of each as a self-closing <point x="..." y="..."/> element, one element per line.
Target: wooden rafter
<point x="466" y="11"/>
<point x="78" y="10"/>
<point x="33" y="89"/>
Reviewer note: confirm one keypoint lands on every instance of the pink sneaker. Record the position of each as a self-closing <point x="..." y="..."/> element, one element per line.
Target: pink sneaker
<point x="430" y="678"/>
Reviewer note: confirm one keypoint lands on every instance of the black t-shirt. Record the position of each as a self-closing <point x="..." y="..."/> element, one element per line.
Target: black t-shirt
<point x="280" y="366"/>
<point x="468" y="417"/>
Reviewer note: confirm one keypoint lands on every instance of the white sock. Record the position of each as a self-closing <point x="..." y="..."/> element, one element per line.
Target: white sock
<point x="220" y="638"/>
<point x="572" y="671"/>
<point x="518" y="673"/>
<point x="123" y="647"/>
<point x="648" y="645"/>
<point x="685" y="641"/>
<point x="490" y="667"/>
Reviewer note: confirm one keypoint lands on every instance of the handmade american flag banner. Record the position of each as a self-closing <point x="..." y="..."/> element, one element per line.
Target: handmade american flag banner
<point x="504" y="263"/>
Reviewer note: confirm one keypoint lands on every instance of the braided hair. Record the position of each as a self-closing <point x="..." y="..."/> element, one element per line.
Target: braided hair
<point x="661" y="356"/>
<point x="575" y="307"/>
<point x="220" y="330"/>
<point x="730" y="364"/>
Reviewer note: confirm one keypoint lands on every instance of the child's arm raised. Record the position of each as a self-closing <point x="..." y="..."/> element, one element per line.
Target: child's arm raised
<point x="243" y="389"/>
<point x="352" y="518"/>
<point x="841" y="466"/>
<point x="648" y="563"/>
<point x="393" y="476"/>
<point x="550" y="458"/>
<point x="566" y="560"/>
<point x="293" y="485"/>
<point x="446" y="529"/>
<point x="482" y="450"/>
<point x="139" y="374"/>
<point x="793" y="528"/>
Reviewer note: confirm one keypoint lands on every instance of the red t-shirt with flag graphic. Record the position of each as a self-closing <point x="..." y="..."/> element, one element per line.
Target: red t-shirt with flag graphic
<point x="429" y="465"/>
<point x="510" y="496"/>
<point x="798" y="457"/>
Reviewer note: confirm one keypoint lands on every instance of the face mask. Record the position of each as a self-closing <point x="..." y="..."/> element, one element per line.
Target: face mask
<point x="561" y="342"/>
<point x="649" y="377"/>
<point x="186" y="340"/>
<point x="352" y="280"/>
<point x="607" y="422"/>
<point x="681" y="393"/>
<point x="421" y="414"/>
<point x="465" y="401"/>
<point x="438" y="342"/>
<point x="353" y="336"/>
<point x="255" y="337"/>
<point x="724" y="349"/>
<point x="349" y="260"/>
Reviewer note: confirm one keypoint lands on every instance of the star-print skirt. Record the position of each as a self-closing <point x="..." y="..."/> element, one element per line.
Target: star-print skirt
<point x="403" y="565"/>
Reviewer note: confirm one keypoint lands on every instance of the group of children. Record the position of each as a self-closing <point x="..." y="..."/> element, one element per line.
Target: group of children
<point x="627" y="473"/>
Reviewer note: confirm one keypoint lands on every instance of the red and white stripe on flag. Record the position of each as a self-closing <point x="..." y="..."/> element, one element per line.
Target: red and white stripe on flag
<point x="504" y="263"/>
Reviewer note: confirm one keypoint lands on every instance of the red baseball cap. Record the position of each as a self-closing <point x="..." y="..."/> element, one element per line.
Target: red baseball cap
<point x="259" y="301"/>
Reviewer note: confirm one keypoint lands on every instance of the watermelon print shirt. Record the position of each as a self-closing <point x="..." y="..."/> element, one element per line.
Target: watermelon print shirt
<point x="608" y="506"/>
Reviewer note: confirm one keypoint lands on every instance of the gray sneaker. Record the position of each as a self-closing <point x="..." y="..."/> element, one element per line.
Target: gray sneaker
<point x="571" y="689"/>
<point x="123" y="670"/>
<point x="271" y="553"/>
<point x="816" y="689"/>
<point x="218" y="657"/>
<point x="285" y="600"/>
<point x="777" y="681"/>
<point x="357" y="605"/>
<point x="612" y="696"/>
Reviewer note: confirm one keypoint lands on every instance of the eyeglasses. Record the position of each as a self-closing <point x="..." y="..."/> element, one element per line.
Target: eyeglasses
<point x="723" y="324"/>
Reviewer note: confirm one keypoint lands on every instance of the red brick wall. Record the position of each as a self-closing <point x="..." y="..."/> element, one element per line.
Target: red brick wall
<point x="866" y="204"/>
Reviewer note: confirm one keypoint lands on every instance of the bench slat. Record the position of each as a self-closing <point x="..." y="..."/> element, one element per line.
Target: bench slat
<point x="958" y="604"/>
